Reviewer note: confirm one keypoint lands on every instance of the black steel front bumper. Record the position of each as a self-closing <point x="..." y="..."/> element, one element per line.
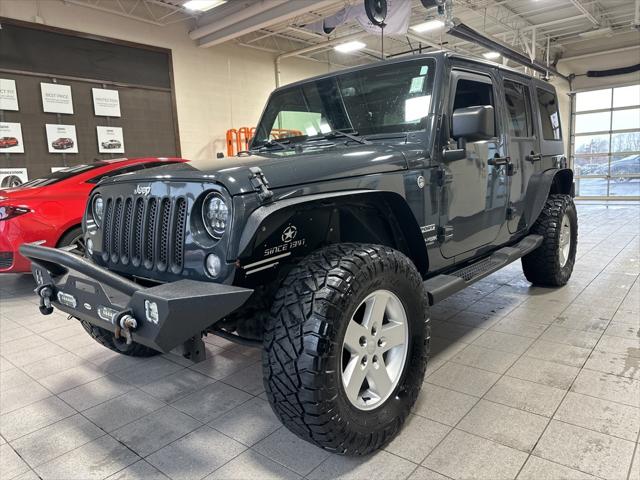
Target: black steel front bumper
<point x="165" y="316"/>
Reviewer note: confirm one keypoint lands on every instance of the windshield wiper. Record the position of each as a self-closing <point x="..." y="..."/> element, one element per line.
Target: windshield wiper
<point x="274" y="143"/>
<point x="351" y="136"/>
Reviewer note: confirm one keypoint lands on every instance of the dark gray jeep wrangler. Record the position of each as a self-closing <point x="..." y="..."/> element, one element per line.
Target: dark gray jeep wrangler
<point x="367" y="196"/>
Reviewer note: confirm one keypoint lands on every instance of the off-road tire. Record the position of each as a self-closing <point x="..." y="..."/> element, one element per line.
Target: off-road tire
<point x="542" y="267"/>
<point x="107" y="339"/>
<point x="303" y="346"/>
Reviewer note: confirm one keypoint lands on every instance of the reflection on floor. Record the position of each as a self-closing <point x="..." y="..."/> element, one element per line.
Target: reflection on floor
<point x="523" y="382"/>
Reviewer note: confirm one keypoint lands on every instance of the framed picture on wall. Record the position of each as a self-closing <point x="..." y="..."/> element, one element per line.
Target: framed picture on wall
<point x="56" y="98"/>
<point x="61" y="138"/>
<point x="12" y="177"/>
<point x="8" y="95"/>
<point x="11" y="138"/>
<point x="106" y="103"/>
<point x="110" y="140"/>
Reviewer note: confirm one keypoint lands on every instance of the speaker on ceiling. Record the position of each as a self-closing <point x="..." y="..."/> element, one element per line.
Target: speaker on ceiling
<point x="376" y="11"/>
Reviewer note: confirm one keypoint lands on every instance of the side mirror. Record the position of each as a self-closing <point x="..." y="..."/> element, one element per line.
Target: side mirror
<point x="474" y="124"/>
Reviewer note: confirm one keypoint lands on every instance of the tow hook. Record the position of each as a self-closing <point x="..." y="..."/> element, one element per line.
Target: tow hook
<point x="45" y="292"/>
<point x="125" y="324"/>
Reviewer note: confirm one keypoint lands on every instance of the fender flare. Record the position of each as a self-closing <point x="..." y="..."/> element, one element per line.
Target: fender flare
<point x="400" y="217"/>
<point x="541" y="185"/>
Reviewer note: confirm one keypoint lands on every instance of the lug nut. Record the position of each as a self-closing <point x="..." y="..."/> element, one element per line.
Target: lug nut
<point x="363" y="362"/>
<point x="363" y="341"/>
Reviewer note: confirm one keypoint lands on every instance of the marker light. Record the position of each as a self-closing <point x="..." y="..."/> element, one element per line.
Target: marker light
<point x="107" y="314"/>
<point x="151" y="311"/>
<point x="213" y="264"/>
<point x="67" y="299"/>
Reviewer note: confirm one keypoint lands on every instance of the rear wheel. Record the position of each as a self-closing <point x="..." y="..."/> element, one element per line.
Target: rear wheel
<point x="551" y="264"/>
<point x="346" y="347"/>
<point x="108" y="339"/>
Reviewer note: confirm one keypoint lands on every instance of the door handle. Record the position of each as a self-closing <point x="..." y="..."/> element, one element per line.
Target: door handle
<point x="533" y="157"/>
<point x="499" y="161"/>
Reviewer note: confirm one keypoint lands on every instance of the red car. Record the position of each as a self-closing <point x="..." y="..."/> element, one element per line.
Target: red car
<point x="62" y="143"/>
<point x="50" y="209"/>
<point x="7" y="142"/>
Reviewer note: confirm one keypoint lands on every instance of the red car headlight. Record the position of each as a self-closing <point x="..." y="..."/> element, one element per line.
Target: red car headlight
<point x="7" y="212"/>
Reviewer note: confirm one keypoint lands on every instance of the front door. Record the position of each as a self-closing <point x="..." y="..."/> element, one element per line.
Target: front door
<point x="522" y="147"/>
<point x="474" y="193"/>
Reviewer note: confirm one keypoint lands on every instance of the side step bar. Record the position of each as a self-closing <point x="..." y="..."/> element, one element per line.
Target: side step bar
<point x="443" y="286"/>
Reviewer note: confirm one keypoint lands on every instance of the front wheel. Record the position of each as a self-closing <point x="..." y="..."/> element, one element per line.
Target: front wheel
<point x="551" y="264"/>
<point x="346" y="347"/>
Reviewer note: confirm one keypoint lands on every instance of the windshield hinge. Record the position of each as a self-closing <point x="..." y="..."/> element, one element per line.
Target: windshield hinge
<point x="260" y="184"/>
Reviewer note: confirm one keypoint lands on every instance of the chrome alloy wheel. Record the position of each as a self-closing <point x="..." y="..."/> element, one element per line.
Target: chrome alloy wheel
<point x="564" y="245"/>
<point x="374" y="350"/>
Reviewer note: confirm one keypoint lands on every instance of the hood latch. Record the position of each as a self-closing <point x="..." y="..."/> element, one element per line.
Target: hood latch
<point x="260" y="184"/>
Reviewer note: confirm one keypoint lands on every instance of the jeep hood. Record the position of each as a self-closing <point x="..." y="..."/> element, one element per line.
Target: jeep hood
<point x="282" y="168"/>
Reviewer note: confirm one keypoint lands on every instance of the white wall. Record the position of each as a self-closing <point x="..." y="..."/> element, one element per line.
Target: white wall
<point x="216" y="88"/>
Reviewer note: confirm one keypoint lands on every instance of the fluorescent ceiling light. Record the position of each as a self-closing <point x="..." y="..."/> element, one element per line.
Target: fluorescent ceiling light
<point x="491" y="55"/>
<point x="427" y="26"/>
<point x="350" y="46"/>
<point x="599" y="32"/>
<point x="203" y="5"/>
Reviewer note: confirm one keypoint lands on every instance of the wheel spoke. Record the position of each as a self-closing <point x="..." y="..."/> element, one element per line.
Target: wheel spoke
<point x="352" y="336"/>
<point x="353" y="377"/>
<point x="392" y="334"/>
<point x="378" y="378"/>
<point x="375" y="309"/>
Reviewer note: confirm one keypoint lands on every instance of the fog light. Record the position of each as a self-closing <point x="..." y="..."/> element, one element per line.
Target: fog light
<point x="214" y="265"/>
<point x="67" y="299"/>
<point x="107" y="314"/>
<point x="151" y="311"/>
<point x="89" y="246"/>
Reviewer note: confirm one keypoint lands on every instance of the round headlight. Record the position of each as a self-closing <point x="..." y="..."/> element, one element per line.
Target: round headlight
<point x="215" y="215"/>
<point x="98" y="209"/>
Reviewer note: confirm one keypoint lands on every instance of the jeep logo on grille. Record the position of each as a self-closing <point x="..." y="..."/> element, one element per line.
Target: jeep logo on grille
<point x="140" y="190"/>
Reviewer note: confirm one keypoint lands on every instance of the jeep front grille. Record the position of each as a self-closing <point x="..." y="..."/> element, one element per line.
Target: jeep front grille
<point x="145" y="232"/>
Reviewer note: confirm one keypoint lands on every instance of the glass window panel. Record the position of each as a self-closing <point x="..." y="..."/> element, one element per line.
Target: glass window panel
<point x="591" y="144"/>
<point x="626" y="96"/>
<point x="626" y="119"/>
<point x="519" y="109"/>
<point x="622" y="165"/>
<point x="595" y="100"/>
<point x="625" y="142"/>
<point x="624" y="187"/>
<point x="548" y="106"/>
<point x="591" y="187"/>
<point x="591" y="165"/>
<point x="593" y="122"/>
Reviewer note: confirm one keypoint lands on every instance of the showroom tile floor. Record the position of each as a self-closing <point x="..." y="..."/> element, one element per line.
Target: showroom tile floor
<point x="523" y="382"/>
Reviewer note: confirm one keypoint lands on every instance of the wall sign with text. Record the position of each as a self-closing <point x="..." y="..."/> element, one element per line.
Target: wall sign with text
<point x="12" y="177"/>
<point x="8" y="95"/>
<point x="56" y="98"/>
<point x="61" y="138"/>
<point x="106" y="103"/>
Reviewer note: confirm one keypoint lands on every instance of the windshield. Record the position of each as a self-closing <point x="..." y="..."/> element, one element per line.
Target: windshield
<point x="390" y="98"/>
<point x="63" y="174"/>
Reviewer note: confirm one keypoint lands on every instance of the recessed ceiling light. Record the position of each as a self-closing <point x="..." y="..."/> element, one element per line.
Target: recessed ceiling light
<point x="350" y="46"/>
<point x="491" y="55"/>
<point x="427" y="26"/>
<point x="203" y="5"/>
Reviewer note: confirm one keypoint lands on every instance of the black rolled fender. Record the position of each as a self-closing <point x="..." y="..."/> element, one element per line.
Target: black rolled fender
<point x="541" y="184"/>
<point x="273" y="215"/>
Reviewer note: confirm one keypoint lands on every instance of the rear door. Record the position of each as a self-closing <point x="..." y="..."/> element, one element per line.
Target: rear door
<point x="474" y="194"/>
<point x="523" y="144"/>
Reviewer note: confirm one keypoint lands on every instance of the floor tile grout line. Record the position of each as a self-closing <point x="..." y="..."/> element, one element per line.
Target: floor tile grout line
<point x="573" y="382"/>
<point x="636" y="451"/>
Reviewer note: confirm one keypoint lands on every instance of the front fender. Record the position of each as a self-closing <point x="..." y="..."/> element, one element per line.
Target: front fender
<point x="363" y="216"/>
<point x="541" y="185"/>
